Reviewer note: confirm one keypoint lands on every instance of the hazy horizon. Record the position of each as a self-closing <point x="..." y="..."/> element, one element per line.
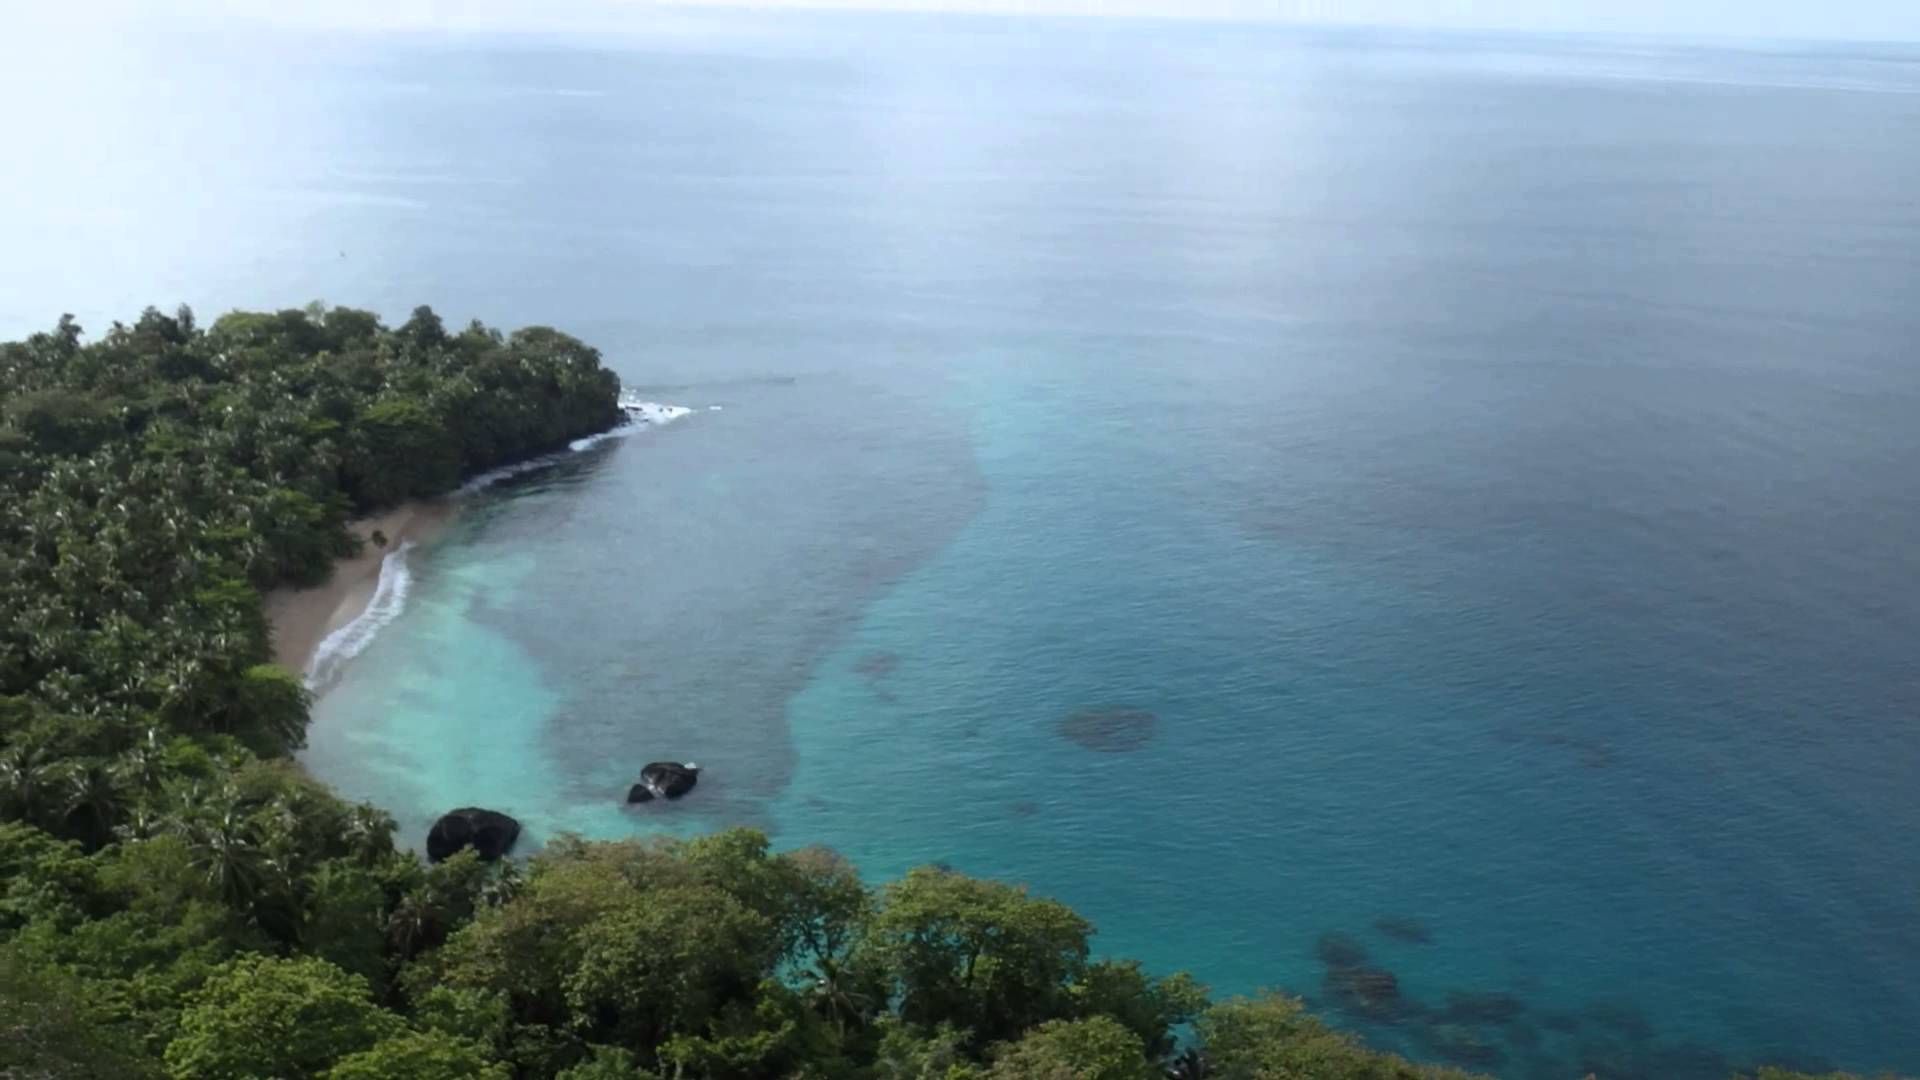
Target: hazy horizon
<point x="1850" y="20"/>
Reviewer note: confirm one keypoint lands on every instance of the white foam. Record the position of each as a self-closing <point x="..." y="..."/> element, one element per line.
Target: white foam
<point x="583" y="443"/>
<point x="653" y="412"/>
<point x="389" y="600"/>
<point x="494" y="476"/>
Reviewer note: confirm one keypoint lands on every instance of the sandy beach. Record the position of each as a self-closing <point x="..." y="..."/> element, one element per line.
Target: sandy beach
<point x="302" y="618"/>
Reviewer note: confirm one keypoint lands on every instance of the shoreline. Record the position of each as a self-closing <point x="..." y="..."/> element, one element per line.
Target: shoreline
<point x="300" y="619"/>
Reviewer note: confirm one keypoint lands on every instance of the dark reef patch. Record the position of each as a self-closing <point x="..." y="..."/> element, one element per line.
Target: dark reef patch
<point x="1791" y="1061"/>
<point x="1563" y="1022"/>
<point x="1622" y="1017"/>
<point x="1691" y="1061"/>
<point x="876" y="665"/>
<point x="1590" y="753"/>
<point x="1612" y="1060"/>
<point x="1463" y="1045"/>
<point x="1370" y="993"/>
<point x="1404" y="928"/>
<point x="1337" y="950"/>
<point x="1110" y="730"/>
<point x="1025" y="809"/>
<point x="1476" y="1007"/>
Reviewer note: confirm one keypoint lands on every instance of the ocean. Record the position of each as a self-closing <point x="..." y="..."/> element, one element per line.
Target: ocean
<point x="1281" y="492"/>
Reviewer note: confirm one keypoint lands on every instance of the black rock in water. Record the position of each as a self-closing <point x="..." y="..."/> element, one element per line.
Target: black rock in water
<point x="639" y="793"/>
<point x="666" y="780"/>
<point x="489" y="832"/>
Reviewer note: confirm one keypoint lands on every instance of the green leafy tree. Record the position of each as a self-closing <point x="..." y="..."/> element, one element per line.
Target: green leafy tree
<point x="1152" y="1008"/>
<point x="1273" y="1038"/>
<point x="402" y="451"/>
<point x="51" y="1027"/>
<point x="344" y="918"/>
<point x="982" y="955"/>
<point x="907" y="1052"/>
<point x="262" y="1016"/>
<point x="63" y="422"/>
<point x="666" y="965"/>
<point x="826" y="910"/>
<point x="606" y="1063"/>
<point x="416" y="1055"/>
<point x="267" y="710"/>
<point x="1097" y="1048"/>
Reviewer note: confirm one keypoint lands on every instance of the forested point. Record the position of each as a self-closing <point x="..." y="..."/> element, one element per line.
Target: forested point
<point x="177" y="900"/>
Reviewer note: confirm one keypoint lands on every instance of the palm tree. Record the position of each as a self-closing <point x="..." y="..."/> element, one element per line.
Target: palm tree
<point x="142" y="822"/>
<point x="413" y="925"/>
<point x="143" y="766"/>
<point x="502" y="885"/>
<point x="368" y="833"/>
<point x="836" y="995"/>
<point x="29" y="777"/>
<point x="220" y="840"/>
<point x="93" y="799"/>
<point x="225" y="854"/>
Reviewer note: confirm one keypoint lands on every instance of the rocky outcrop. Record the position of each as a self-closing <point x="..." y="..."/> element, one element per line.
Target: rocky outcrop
<point x="489" y="832"/>
<point x="664" y="780"/>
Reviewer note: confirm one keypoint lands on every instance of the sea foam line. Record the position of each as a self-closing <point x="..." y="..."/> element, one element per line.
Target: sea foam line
<point x="388" y="601"/>
<point x="396" y="580"/>
<point x="640" y="414"/>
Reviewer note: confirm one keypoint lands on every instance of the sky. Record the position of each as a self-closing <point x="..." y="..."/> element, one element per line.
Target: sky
<point x="1860" y="20"/>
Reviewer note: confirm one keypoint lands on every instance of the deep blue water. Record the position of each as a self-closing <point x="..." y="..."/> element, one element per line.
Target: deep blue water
<point x="1490" y="461"/>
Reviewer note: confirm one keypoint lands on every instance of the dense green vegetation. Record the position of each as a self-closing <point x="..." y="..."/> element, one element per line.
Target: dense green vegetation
<point x="176" y="900"/>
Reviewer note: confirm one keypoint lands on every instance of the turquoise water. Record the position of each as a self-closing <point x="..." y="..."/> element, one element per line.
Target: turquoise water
<point x="1487" y="461"/>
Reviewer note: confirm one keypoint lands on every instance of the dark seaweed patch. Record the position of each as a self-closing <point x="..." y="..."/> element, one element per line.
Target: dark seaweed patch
<point x="1116" y="730"/>
<point x="1337" y="950"/>
<point x="1563" y="1022"/>
<point x="1404" y="928"/>
<point x="877" y="665"/>
<point x="1480" y="1007"/>
<point x="1622" y="1017"/>
<point x="1368" y="992"/>
<point x="1463" y="1045"/>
